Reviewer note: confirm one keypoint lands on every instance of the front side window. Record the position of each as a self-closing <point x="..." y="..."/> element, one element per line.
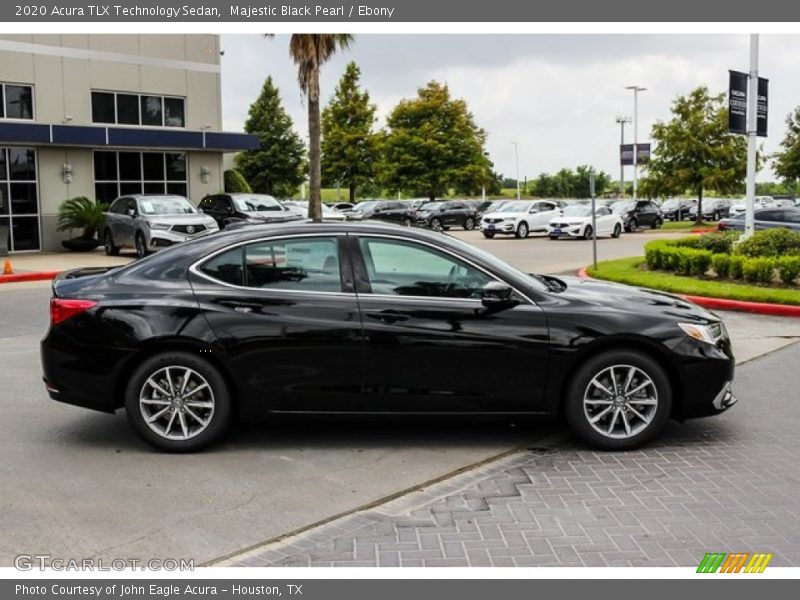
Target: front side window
<point x="16" y="101"/>
<point x="401" y="268"/>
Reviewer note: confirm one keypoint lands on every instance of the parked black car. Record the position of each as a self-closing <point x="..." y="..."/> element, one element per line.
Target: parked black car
<point x="446" y="214"/>
<point x="714" y="209"/>
<point x="638" y="213"/>
<point x="241" y="208"/>
<point x="765" y="218"/>
<point x="677" y="209"/>
<point x="393" y="211"/>
<point x="370" y="318"/>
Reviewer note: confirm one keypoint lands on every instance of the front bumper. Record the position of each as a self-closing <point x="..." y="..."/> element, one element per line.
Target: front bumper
<point x="157" y="239"/>
<point x="498" y="227"/>
<point x="567" y="232"/>
<point x="725" y="399"/>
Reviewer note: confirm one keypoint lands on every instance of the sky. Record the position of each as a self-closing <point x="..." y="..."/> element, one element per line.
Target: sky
<point x="556" y="95"/>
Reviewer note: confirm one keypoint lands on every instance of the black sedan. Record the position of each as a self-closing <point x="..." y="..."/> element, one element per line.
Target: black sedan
<point x="370" y="318"/>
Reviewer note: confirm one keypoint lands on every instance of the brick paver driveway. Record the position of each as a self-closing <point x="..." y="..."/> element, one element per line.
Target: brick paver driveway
<point x="729" y="483"/>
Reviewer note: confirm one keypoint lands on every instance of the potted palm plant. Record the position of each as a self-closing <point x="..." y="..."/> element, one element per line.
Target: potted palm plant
<point x="84" y="214"/>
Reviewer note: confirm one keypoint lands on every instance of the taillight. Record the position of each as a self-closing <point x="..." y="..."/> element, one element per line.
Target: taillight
<point x="722" y="226"/>
<point x="62" y="309"/>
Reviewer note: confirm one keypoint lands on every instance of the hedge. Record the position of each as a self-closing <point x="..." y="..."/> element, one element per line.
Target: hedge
<point x="764" y="258"/>
<point x="235" y="182"/>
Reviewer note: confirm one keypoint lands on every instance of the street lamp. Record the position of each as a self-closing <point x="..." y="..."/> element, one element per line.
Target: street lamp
<point x="622" y="121"/>
<point x="516" y="158"/>
<point x="636" y="89"/>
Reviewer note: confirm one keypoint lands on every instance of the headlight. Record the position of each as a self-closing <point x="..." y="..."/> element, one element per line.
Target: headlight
<point x="158" y="226"/>
<point x="212" y="226"/>
<point x="710" y="333"/>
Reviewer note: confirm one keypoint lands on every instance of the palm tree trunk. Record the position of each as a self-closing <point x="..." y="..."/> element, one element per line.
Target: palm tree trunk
<point x="314" y="151"/>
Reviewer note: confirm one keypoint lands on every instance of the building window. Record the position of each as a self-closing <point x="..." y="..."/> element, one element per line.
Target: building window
<point x="16" y="101"/>
<point x="121" y="173"/>
<point x="138" y="109"/>
<point x="19" y="198"/>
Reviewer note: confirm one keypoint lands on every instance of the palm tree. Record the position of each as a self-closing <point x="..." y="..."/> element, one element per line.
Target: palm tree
<point x="310" y="51"/>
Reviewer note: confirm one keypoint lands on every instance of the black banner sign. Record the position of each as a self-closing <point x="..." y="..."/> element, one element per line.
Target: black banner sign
<point x="763" y="106"/>
<point x="737" y="102"/>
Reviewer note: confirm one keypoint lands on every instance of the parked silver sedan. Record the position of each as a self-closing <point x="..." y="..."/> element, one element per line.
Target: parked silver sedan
<point x="147" y="223"/>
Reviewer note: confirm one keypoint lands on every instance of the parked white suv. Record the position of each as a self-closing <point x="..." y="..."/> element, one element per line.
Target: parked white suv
<point x="519" y="218"/>
<point x="148" y="223"/>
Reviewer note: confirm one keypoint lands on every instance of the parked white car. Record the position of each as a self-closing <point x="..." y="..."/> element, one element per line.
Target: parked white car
<point x="576" y="222"/>
<point x="740" y="207"/>
<point x="519" y="218"/>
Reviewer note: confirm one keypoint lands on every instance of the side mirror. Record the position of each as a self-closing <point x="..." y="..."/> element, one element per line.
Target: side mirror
<point x="497" y="295"/>
<point x="131" y="212"/>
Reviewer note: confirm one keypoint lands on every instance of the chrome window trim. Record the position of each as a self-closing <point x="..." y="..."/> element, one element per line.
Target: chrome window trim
<point x="194" y="268"/>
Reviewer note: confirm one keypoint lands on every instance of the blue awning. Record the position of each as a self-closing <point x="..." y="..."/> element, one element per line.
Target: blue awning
<point x="39" y="134"/>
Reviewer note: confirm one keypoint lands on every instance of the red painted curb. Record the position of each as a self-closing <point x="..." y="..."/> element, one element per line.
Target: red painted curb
<point x="762" y="308"/>
<point x="33" y="276"/>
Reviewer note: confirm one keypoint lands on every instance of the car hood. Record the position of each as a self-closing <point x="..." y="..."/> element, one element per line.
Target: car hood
<point x="503" y="215"/>
<point x="277" y="216"/>
<point x="604" y="295"/>
<point x="571" y="220"/>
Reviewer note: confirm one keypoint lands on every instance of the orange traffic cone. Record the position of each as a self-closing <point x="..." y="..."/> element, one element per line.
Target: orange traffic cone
<point x="7" y="270"/>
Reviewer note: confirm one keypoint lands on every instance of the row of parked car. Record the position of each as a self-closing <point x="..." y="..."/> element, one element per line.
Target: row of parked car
<point x="149" y="222"/>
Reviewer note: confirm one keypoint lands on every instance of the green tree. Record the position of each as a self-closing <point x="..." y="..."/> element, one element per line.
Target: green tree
<point x="277" y="167"/>
<point x="433" y="145"/>
<point x="350" y="147"/>
<point x="235" y="182"/>
<point x="787" y="161"/>
<point x="694" y="150"/>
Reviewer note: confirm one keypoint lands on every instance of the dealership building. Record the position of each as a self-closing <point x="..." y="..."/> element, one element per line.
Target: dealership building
<point x="103" y="116"/>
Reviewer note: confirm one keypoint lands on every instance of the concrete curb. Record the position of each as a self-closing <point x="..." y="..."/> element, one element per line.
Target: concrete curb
<point x="762" y="308"/>
<point x="32" y="276"/>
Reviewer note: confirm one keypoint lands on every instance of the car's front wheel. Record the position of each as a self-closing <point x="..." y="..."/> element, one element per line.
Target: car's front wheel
<point x="617" y="231"/>
<point x="657" y="223"/>
<point x="588" y="232"/>
<point x="178" y="402"/>
<point x="140" y="245"/>
<point x="618" y="400"/>
<point x="522" y="230"/>
<point x="469" y="224"/>
<point x="108" y="244"/>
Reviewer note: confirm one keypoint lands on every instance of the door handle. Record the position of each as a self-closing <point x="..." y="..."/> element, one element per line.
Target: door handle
<point x="388" y="316"/>
<point x="241" y="306"/>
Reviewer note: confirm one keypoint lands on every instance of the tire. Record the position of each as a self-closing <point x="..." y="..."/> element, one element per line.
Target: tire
<point x="716" y="216"/>
<point x="141" y="245"/>
<point x="617" y="231"/>
<point x="436" y="224"/>
<point x="167" y="433"/>
<point x="408" y="222"/>
<point x="586" y="401"/>
<point x="587" y="233"/>
<point x="469" y="224"/>
<point x="108" y="244"/>
<point x="657" y="223"/>
<point x="522" y="231"/>
<point x="488" y="235"/>
<point x="633" y="225"/>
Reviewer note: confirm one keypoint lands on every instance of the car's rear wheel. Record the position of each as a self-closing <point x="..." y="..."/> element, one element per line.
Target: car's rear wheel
<point x="141" y="245"/>
<point x="469" y="224"/>
<point x="618" y="400"/>
<point x="657" y="223"/>
<point x="522" y="230"/>
<point x="178" y="402"/>
<point x="488" y="234"/>
<point x="617" y="231"/>
<point x="108" y="244"/>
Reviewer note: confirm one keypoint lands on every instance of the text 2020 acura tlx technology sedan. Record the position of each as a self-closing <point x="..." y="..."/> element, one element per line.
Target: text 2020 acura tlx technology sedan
<point x="373" y="318"/>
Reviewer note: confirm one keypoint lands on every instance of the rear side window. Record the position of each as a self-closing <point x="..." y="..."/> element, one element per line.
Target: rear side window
<point x="226" y="267"/>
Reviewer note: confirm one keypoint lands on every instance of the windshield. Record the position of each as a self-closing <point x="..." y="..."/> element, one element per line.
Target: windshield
<point x="500" y="266"/>
<point x="256" y="203"/>
<point x="166" y="205"/>
<point x="578" y="211"/>
<point x="365" y="206"/>
<point x="495" y="206"/>
<point x="516" y="207"/>
<point x="621" y="207"/>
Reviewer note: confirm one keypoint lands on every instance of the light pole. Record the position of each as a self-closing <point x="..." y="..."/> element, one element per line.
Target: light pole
<point x="622" y="121"/>
<point x="636" y="89"/>
<point x="516" y="158"/>
<point x="752" y="132"/>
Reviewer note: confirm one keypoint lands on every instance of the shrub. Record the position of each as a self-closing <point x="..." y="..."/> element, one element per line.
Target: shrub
<point x="759" y="270"/>
<point x="700" y="262"/>
<point x="771" y="242"/>
<point x="721" y="263"/>
<point x="789" y="269"/>
<point x="654" y="254"/>
<point x="235" y="182"/>
<point x="716" y="243"/>
<point x="736" y="266"/>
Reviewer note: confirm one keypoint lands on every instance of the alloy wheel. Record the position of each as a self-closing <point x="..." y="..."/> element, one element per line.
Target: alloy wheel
<point x="620" y="401"/>
<point x="176" y="402"/>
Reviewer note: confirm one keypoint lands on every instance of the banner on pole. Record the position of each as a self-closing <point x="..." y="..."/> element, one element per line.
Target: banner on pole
<point x="763" y="107"/>
<point x="737" y="102"/>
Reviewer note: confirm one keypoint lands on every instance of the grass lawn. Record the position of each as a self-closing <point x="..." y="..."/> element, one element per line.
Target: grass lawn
<point x="673" y="226"/>
<point x="627" y="270"/>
